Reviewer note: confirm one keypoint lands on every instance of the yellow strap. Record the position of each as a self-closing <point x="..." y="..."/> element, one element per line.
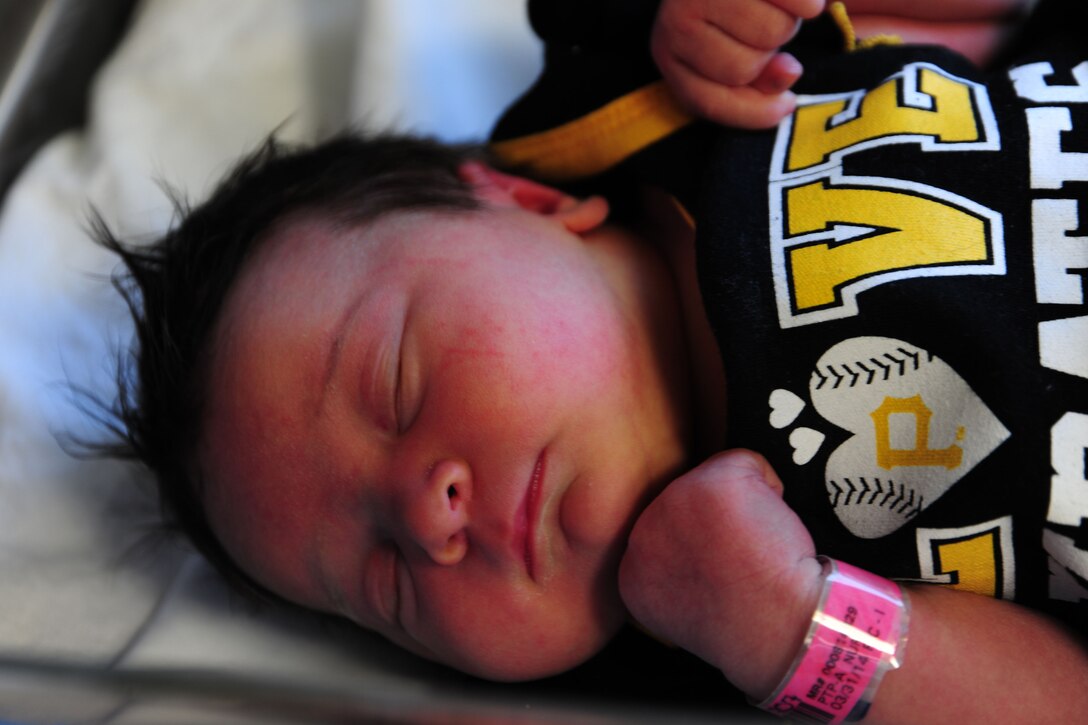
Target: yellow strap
<point x="851" y="42"/>
<point x="837" y="10"/>
<point x="599" y="140"/>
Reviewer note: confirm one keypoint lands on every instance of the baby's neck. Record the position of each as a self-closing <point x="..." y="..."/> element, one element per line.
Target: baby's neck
<point x="671" y="228"/>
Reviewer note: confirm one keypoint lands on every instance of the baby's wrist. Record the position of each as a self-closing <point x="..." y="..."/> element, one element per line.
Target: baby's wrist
<point x="795" y="598"/>
<point x="857" y="632"/>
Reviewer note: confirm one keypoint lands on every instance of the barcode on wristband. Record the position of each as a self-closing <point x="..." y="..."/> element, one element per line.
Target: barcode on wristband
<point x="797" y="709"/>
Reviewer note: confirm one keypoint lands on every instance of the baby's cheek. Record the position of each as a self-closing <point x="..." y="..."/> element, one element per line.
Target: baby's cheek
<point x="576" y="352"/>
<point x="506" y="353"/>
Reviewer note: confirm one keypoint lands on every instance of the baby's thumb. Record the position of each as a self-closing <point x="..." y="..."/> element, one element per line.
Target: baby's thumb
<point x="741" y="465"/>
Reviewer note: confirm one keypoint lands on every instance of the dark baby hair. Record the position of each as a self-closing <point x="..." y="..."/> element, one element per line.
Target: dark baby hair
<point x="175" y="288"/>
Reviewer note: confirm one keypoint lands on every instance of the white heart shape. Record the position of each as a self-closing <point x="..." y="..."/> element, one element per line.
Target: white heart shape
<point x="917" y="426"/>
<point x="806" y="442"/>
<point x="785" y="407"/>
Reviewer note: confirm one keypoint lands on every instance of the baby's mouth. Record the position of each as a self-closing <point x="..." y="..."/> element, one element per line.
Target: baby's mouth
<point x="528" y="517"/>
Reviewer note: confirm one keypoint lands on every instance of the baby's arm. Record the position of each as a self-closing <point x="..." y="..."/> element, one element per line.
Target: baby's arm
<point x="941" y="10"/>
<point x="974" y="28"/>
<point x="721" y="566"/>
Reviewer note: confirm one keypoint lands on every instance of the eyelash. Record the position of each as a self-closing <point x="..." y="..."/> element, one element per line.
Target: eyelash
<point x="398" y="385"/>
<point x="396" y="583"/>
<point x="402" y="418"/>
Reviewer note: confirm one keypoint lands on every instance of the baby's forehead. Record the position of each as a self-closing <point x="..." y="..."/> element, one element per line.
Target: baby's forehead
<point x="325" y="233"/>
<point x="306" y="265"/>
<point x="298" y="255"/>
<point x="306" y="235"/>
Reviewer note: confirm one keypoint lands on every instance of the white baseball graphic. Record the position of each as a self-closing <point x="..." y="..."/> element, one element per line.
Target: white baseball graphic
<point x="918" y="428"/>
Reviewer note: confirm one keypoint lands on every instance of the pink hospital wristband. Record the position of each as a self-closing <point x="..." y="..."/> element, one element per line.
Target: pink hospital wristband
<point x="858" y="632"/>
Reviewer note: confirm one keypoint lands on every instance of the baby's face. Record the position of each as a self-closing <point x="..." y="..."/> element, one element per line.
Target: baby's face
<point x="442" y="427"/>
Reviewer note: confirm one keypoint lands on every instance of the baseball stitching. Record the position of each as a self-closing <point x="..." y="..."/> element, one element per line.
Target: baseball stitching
<point x="866" y="372"/>
<point x="882" y="493"/>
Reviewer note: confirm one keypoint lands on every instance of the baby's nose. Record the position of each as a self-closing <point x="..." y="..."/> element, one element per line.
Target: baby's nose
<point x="437" y="516"/>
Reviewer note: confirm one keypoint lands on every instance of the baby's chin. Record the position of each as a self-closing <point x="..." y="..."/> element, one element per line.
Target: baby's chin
<point x="540" y="657"/>
<point x="535" y="667"/>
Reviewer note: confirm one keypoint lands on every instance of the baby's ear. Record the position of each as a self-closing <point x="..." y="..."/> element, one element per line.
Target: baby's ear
<point x="507" y="190"/>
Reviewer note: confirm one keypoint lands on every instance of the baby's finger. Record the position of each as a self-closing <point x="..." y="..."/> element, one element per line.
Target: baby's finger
<point x="736" y="106"/>
<point x="778" y="75"/>
<point x="759" y="25"/>
<point x="704" y="49"/>
<point x="804" y="9"/>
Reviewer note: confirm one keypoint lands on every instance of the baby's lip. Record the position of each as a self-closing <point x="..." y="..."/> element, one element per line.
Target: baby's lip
<point x="527" y="517"/>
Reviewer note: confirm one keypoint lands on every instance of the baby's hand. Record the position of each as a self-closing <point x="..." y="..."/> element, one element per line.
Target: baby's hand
<point x="721" y="566"/>
<point x="721" y="57"/>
